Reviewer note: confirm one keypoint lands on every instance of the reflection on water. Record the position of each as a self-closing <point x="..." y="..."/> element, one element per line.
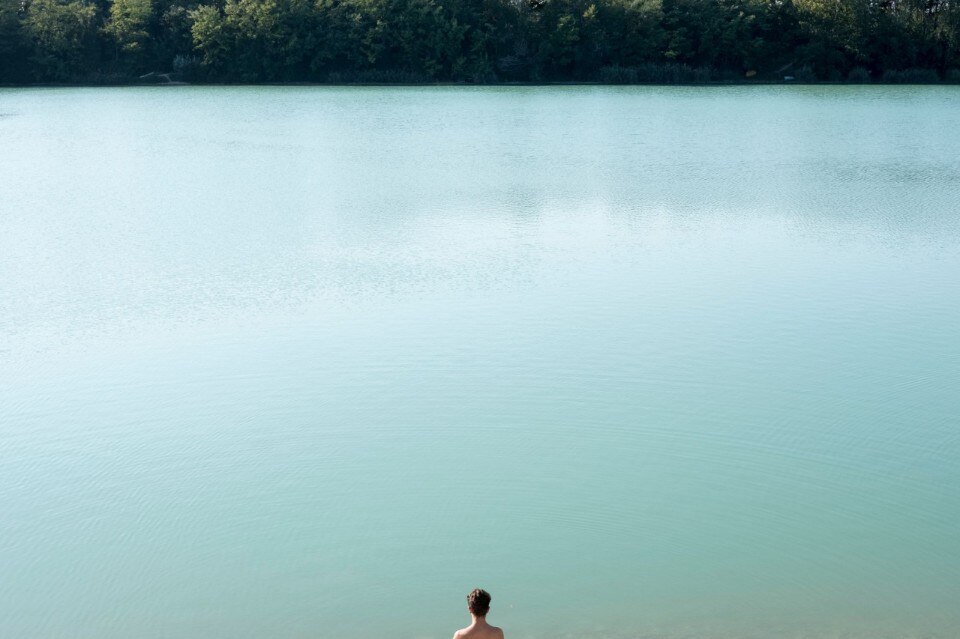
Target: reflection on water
<point x="641" y="361"/>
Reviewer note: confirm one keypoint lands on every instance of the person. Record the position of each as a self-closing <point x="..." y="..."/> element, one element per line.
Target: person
<point x="478" y="603"/>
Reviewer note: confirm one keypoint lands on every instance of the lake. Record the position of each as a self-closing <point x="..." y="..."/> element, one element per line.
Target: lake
<point x="640" y="361"/>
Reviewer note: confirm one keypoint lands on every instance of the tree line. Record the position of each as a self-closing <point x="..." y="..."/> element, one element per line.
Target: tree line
<point x="481" y="41"/>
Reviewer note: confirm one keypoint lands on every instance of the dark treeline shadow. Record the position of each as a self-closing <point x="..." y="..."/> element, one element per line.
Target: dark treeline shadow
<point x="478" y="41"/>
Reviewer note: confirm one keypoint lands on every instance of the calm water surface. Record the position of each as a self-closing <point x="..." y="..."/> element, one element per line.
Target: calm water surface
<point x="643" y="362"/>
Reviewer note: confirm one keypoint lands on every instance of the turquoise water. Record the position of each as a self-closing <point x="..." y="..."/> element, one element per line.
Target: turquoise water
<point x="642" y="362"/>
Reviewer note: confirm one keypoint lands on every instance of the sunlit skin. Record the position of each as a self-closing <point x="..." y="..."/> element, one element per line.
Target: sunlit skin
<point x="478" y="629"/>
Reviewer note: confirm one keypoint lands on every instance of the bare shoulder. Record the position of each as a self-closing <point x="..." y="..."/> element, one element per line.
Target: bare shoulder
<point x="496" y="633"/>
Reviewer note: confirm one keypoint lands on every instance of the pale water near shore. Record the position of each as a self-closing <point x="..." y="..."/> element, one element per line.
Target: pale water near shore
<point x="643" y="362"/>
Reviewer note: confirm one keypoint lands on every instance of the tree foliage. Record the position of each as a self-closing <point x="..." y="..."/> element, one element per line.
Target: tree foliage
<point x="478" y="40"/>
<point x="129" y="27"/>
<point x="63" y="35"/>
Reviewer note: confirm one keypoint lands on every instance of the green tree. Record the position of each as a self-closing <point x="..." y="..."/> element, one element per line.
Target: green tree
<point x="173" y="40"/>
<point x="63" y="33"/>
<point x="129" y="28"/>
<point x="257" y="40"/>
<point x="210" y="38"/>
<point x="14" y="46"/>
<point x="833" y="30"/>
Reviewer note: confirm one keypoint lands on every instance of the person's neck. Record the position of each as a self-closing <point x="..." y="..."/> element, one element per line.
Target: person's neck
<point x="478" y="621"/>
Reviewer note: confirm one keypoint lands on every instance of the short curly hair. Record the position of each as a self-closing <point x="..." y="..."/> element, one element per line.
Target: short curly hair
<point x="478" y="601"/>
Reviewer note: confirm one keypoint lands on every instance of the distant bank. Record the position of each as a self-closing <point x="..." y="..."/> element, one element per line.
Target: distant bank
<point x="718" y="84"/>
<point x="120" y="42"/>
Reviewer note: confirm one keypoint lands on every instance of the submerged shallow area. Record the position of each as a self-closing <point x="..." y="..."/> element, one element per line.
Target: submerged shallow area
<point x="640" y="361"/>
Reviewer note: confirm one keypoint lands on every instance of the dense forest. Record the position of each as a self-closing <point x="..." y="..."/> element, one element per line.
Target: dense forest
<point x="483" y="41"/>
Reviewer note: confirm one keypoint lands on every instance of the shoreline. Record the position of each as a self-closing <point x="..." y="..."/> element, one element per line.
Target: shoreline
<point x="90" y="85"/>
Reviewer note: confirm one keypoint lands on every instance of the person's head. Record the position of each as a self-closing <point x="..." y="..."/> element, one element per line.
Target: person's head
<point x="478" y="602"/>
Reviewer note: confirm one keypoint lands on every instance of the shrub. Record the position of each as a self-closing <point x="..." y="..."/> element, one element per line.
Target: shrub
<point x="805" y="74"/>
<point x="910" y="76"/>
<point x="858" y="75"/>
<point x="378" y="76"/>
<point x="186" y="67"/>
<point x="653" y="73"/>
<point x="616" y="74"/>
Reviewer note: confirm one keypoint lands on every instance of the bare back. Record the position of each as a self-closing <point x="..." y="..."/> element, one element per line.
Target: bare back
<point x="479" y="629"/>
